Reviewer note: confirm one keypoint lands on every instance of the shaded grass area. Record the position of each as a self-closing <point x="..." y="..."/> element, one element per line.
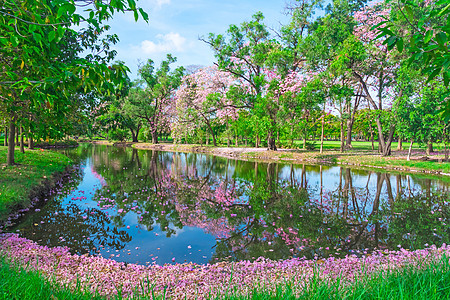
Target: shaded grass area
<point x="33" y="167"/>
<point x="429" y="282"/>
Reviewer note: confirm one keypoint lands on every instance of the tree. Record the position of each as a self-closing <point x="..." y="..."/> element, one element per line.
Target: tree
<point x="41" y="57"/>
<point x="422" y="30"/>
<point x="245" y="53"/>
<point x="156" y="103"/>
<point x="202" y="99"/>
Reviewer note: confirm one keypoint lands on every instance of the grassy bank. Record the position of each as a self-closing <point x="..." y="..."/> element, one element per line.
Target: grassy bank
<point x="32" y="169"/>
<point x="431" y="281"/>
<point x="17" y="283"/>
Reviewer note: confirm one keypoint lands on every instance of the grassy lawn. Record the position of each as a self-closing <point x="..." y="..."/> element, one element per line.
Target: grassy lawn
<point x="33" y="167"/>
<point x="430" y="282"/>
<point x="17" y="283"/>
<point x="357" y="145"/>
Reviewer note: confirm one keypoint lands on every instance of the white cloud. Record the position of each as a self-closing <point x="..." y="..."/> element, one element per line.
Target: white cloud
<point x="171" y="42"/>
<point x="162" y="2"/>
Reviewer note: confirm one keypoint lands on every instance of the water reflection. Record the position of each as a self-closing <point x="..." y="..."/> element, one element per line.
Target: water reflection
<point x="163" y="207"/>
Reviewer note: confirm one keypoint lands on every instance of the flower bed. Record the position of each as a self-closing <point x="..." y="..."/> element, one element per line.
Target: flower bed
<point x="193" y="281"/>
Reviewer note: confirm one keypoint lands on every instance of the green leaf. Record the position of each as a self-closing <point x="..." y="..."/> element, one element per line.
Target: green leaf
<point x="433" y="74"/>
<point x="446" y="78"/>
<point x="428" y="36"/>
<point x="387" y="31"/>
<point x="444" y="10"/>
<point x="409" y="12"/>
<point x="37" y="37"/>
<point x="14" y="41"/>
<point x="51" y="36"/>
<point x="31" y="28"/>
<point x="132" y="4"/>
<point x="391" y="42"/>
<point x="62" y="10"/>
<point x="441" y="38"/>
<point x="143" y="14"/>
<point x="400" y="45"/>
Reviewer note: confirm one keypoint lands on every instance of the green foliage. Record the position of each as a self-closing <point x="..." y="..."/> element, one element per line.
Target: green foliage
<point x="44" y="59"/>
<point x="427" y="46"/>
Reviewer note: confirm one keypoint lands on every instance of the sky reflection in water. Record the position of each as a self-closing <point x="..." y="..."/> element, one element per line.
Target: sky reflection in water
<point x="161" y="207"/>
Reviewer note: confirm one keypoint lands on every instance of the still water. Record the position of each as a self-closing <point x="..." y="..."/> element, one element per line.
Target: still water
<point x="151" y="207"/>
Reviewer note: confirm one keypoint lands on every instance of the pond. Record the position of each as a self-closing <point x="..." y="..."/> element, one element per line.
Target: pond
<point x="151" y="207"/>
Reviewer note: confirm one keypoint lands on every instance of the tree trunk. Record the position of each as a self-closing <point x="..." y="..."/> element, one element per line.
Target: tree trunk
<point x="348" y="141"/>
<point x="429" y="147"/>
<point x="30" y="141"/>
<point x="321" y="135"/>
<point x="228" y="134"/>
<point x="400" y="144"/>
<point x="210" y="131"/>
<point x="409" y="150"/>
<point x="342" y="136"/>
<point x="154" y="137"/>
<point x="371" y="137"/>
<point x="445" y="151"/>
<point x="12" y="132"/>
<point x="271" y="142"/>
<point x="386" y="148"/>
<point x="257" y="141"/>
<point x="5" y="142"/>
<point x="17" y="136"/>
<point x="22" y="148"/>
<point x="133" y="136"/>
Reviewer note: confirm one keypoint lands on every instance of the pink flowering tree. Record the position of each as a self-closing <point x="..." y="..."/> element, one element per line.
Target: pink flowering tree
<point x="202" y="100"/>
<point x="376" y="75"/>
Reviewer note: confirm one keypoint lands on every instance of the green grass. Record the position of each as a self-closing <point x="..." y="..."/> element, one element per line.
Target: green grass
<point x="389" y="162"/>
<point x="17" y="283"/>
<point x="430" y="282"/>
<point x="357" y="145"/>
<point x="32" y="168"/>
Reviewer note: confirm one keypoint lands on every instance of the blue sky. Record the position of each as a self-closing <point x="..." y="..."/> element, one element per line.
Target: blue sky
<point x="176" y="25"/>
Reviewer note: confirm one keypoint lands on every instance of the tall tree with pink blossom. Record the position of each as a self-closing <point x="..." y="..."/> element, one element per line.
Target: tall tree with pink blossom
<point x="202" y="99"/>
